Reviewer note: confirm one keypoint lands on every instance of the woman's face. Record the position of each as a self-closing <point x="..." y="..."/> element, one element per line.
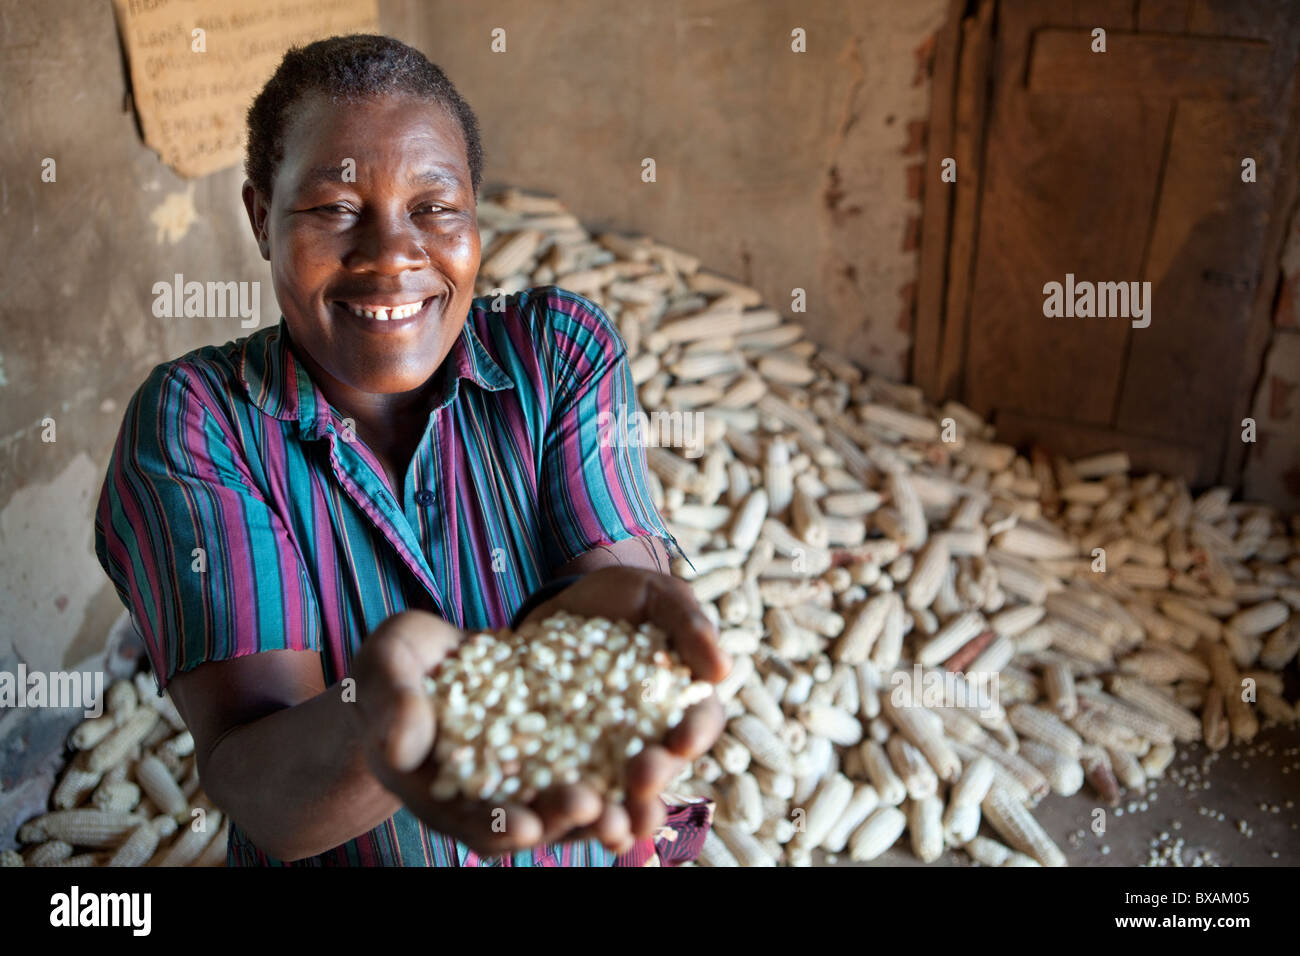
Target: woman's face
<point x="372" y="236"/>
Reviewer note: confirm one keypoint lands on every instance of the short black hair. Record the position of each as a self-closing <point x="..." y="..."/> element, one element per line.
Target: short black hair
<point x="349" y="68"/>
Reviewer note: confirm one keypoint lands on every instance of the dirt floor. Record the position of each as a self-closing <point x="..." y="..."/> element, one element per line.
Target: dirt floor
<point x="1239" y="807"/>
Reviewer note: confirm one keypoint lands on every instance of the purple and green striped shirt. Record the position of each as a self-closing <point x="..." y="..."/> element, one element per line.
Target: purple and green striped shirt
<point x="241" y="514"/>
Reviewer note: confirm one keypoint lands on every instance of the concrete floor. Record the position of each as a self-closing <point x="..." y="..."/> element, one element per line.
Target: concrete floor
<point x="1236" y="782"/>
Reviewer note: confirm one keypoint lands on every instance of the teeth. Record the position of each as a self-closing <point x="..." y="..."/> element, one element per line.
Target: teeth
<point x="384" y="313"/>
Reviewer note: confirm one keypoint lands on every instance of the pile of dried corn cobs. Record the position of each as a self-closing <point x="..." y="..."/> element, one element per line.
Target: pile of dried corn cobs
<point x="130" y="796"/>
<point x="859" y="548"/>
<point x="856" y="544"/>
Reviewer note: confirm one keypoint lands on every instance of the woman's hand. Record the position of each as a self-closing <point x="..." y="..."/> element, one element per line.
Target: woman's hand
<point x="395" y="719"/>
<point x="640" y="596"/>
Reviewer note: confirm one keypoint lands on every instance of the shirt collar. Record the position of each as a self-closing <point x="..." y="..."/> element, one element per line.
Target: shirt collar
<point x="279" y="385"/>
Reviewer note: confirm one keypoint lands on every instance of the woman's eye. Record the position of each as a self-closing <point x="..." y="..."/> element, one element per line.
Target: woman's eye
<point x="334" y="207"/>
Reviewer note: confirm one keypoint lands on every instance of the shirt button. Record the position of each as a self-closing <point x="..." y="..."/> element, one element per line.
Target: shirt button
<point x="424" y="498"/>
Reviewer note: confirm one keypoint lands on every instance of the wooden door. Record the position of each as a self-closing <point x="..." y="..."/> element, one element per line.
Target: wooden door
<point x="1121" y="166"/>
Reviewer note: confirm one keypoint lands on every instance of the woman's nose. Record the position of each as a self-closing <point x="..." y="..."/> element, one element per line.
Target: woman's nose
<point x="385" y="244"/>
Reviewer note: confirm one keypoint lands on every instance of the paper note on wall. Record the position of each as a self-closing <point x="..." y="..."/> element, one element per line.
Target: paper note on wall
<point x="197" y="64"/>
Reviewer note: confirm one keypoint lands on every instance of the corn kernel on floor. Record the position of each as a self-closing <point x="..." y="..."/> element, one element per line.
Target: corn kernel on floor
<point x="1266" y="772"/>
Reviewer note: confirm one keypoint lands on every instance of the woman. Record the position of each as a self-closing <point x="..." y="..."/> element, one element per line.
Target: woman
<point x="304" y="522"/>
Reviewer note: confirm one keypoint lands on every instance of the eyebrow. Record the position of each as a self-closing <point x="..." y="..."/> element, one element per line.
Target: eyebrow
<point x="429" y="176"/>
<point x="436" y="176"/>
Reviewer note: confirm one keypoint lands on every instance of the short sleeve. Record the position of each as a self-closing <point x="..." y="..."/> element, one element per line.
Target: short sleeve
<point x="594" y="488"/>
<point x="204" y="565"/>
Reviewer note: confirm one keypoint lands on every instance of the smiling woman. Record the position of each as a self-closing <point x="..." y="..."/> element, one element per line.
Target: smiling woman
<point x="394" y="464"/>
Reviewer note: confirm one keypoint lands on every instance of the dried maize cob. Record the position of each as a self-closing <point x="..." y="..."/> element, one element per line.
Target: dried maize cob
<point x="924" y="730"/>
<point x="157" y="782"/>
<point x="950" y="638"/>
<point x="1058" y="680"/>
<point x="121" y="700"/>
<point x="1026" y="542"/>
<point x="215" y="853"/>
<point x="1185" y="725"/>
<point x="859" y="637"/>
<point x="912" y="524"/>
<point x="1164" y="665"/>
<point x="868" y="681"/>
<point x="1281" y="646"/>
<point x="1098" y="772"/>
<point x="880" y="771"/>
<point x="877" y="834"/>
<point x="770" y="783"/>
<point x="826" y="807"/>
<point x="749" y="520"/>
<point x="1042" y="725"/>
<point x="1157" y="760"/>
<point x="85" y="827"/>
<point x="1138" y="723"/>
<point x="713" y="852"/>
<point x="1017" y="826"/>
<point x="1128" y="770"/>
<point x="1017" y="620"/>
<point x="746" y="803"/>
<point x="838" y="726"/>
<point x="991" y="659"/>
<point x="861" y="805"/>
<point x="731" y="754"/>
<point x="818" y="619"/>
<point x="745" y="848"/>
<point x="49" y="853"/>
<point x="760" y="703"/>
<point x="1076" y="609"/>
<point x="1063" y="772"/>
<point x="77" y="783"/>
<point x="1241" y="719"/>
<point x="961" y="824"/>
<point x="889" y="645"/>
<point x="116" y="796"/>
<point x="929" y="572"/>
<point x="764" y="746"/>
<point x="973" y="784"/>
<point x="851" y="504"/>
<point x="1214" y="722"/>
<point x="92" y="730"/>
<point x="187" y="847"/>
<point x="925" y="824"/>
<point x="910" y="764"/>
<point x="987" y="852"/>
<point x="118" y="744"/>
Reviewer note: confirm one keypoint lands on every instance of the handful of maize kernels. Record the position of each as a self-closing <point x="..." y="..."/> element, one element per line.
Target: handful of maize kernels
<point x="564" y="701"/>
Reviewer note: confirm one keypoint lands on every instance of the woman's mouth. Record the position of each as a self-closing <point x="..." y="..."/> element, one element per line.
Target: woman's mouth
<point x="386" y="316"/>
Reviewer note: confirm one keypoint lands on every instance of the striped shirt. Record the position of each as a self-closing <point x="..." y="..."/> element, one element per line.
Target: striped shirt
<point x="241" y="513"/>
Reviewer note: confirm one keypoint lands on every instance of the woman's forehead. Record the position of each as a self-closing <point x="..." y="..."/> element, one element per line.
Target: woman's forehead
<point x="318" y="121"/>
<point x="390" y="131"/>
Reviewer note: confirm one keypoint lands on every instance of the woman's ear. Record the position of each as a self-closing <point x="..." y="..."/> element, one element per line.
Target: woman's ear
<point x="258" y="207"/>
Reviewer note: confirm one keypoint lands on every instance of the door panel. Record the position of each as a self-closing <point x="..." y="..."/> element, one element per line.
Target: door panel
<point x="1126" y="166"/>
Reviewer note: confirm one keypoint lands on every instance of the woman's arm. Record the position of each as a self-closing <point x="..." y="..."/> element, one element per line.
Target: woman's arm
<point x="646" y="552"/>
<point x="281" y="753"/>
<point x="303" y="768"/>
